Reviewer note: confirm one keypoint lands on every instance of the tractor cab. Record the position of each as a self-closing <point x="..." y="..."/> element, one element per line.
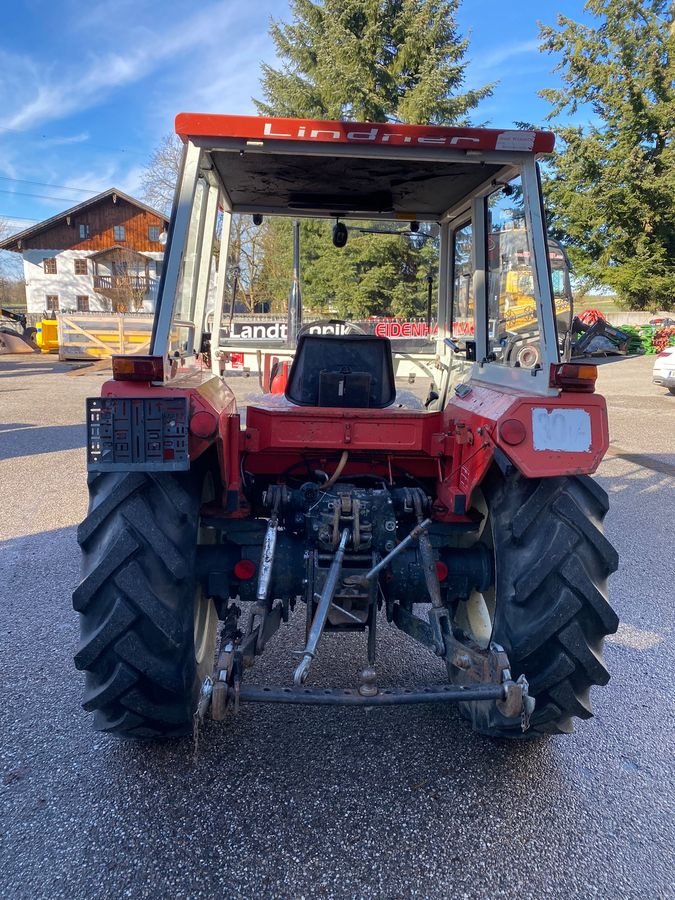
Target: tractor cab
<point x="472" y="291"/>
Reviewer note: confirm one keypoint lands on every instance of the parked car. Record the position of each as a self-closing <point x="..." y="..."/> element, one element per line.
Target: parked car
<point x="664" y="369"/>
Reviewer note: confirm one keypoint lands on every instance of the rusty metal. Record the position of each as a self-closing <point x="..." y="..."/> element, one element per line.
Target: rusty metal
<point x="219" y="701"/>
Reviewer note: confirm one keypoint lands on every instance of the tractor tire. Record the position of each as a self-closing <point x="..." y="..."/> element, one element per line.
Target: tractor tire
<point x="549" y="608"/>
<point x="147" y="634"/>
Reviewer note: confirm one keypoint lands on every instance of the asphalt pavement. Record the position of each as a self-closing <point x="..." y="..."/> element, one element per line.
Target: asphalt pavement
<point x="327" y="802"/>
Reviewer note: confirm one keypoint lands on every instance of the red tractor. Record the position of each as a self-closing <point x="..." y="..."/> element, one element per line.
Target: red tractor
<point x="470" y="522"/>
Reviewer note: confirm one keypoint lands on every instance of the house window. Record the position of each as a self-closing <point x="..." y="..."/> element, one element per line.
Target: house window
<point x="158" y="267"/>
<point x="153" y="233"/>
<point x="81" y="267"/>
<point x="85" y="231"/>
<point x="52" y="304"/>
<point x="118" y="232"/>
<point x="49" y="265"/>
<point x="82" y="303"/>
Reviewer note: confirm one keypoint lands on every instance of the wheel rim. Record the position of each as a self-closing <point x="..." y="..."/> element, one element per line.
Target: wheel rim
<point x="475" y="616"/>
<point x="205" y="627"/>
<point x="528" y="357"/>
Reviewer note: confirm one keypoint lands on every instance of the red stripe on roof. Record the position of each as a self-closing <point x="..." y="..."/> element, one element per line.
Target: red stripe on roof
<point x="258" y="128"/>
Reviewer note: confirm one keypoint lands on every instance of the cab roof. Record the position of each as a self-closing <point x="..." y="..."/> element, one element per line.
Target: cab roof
<point x="314" y="167"/>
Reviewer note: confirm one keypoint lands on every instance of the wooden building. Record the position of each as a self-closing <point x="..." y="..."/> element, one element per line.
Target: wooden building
<point x="103" y="254"/>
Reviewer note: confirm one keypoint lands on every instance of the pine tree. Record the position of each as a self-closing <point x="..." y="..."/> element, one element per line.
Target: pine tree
<point x="612" y="185"/>
<point x="364" y="60"/>
<point x="370" y="60"/>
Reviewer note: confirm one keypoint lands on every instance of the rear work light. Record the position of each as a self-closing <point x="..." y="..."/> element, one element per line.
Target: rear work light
<point x="574" y="377"/>
<point x="138" y="368"/>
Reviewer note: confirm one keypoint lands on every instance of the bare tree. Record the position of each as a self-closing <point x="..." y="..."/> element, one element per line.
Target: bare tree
<point x="12" y="285"/>
<point x="161" y="173"/>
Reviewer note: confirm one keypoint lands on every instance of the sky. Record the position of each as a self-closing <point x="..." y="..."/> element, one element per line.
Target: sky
<point x="88" y="90"/>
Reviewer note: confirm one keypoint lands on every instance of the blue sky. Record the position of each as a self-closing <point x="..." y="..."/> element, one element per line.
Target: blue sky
<point x="88" y="90"/>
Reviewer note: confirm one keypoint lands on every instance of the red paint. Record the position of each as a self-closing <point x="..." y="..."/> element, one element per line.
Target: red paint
<point x="280" y="380"/>
<point x="313" y="131"/>
<point x="453" y="448"/>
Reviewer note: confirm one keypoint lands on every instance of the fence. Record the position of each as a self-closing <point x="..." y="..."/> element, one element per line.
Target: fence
<point x="98" y="336"/>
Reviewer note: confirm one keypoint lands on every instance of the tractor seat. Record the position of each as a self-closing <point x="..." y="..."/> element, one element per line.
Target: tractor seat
<point x="352" y="371"/>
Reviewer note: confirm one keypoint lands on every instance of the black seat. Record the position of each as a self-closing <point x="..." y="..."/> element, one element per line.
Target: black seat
<point x="351" y="371"/>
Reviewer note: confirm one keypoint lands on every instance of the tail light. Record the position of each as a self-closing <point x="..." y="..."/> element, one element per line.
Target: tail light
<point x="512" y="432"/>
<point x="245" y="569"/>
<point x="138" y="368"/>
<point x="574" y="377"/>
<point x="663" y="354"/>
<point x="441" y="570"/>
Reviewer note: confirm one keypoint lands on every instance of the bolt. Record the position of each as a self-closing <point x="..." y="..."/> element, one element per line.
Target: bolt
<point x="462" y="661"/>
<point x="390" y="525"/>
<point x="389" y="546"/>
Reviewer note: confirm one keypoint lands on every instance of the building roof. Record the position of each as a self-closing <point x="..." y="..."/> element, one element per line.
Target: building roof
<point x="11" y="243"/>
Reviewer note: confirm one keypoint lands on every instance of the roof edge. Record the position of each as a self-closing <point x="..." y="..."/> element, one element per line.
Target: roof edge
<point x="53" y="220"/>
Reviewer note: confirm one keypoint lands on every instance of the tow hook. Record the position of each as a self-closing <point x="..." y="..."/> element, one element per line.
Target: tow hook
<point x="517" y="700"/>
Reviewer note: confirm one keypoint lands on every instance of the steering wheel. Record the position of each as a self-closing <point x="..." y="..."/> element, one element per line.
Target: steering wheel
<point x="350" y="327"/>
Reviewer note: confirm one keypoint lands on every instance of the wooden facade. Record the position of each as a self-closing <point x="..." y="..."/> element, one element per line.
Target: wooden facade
<point x="90" y="227"/>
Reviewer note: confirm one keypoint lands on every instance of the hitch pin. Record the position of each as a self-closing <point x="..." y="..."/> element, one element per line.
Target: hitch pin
<point x="414" y="534"/>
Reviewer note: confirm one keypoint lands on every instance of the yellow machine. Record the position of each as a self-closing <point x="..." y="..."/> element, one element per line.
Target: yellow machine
<point x="47" y="335"/>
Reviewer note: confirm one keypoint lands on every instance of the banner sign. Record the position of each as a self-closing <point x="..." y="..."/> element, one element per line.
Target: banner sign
<point x="255" y="331"/>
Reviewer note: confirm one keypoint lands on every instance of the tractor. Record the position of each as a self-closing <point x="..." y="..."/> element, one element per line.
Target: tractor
<point x="467" y="519"/>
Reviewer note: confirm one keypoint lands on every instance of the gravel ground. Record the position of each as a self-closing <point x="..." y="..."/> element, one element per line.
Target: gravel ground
<point x="305" y="803"/>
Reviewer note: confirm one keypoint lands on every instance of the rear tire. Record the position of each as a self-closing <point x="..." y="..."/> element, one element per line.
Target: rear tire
<point x="549" y="608"/>
<point x="146" y="631"/>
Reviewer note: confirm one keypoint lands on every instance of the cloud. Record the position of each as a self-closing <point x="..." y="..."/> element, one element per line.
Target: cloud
<point x="509" y="51"/>
<point x="41" y="93"/>
<point x="58" y="141"/>
<point x="490" y="66"/>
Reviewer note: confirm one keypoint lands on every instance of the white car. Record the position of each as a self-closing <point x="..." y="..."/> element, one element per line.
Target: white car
<point x="664" y="369"/>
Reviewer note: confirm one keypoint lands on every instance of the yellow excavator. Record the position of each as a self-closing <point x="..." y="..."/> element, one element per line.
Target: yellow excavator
<point x="513" y="313"/>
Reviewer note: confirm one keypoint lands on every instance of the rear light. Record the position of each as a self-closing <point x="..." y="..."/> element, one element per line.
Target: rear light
<point x="574" y="377"/>
<point x="245" y="569"/>
<point x="203" y="424"/>
<point x="512" y="432"/>
<point x="441" y="570"/>
<point x="664" y="353"/>
<point x="138" y="368"/>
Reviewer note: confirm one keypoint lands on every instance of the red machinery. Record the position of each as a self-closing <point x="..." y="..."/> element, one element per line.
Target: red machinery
<point x="340" y="497"/>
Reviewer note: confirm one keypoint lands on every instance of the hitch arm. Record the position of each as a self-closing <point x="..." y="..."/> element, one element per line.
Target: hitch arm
<point x="321" y="614"/>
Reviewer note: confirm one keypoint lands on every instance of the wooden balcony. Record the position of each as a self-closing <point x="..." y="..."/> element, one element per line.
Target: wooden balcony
<point x="125" y="282"/>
